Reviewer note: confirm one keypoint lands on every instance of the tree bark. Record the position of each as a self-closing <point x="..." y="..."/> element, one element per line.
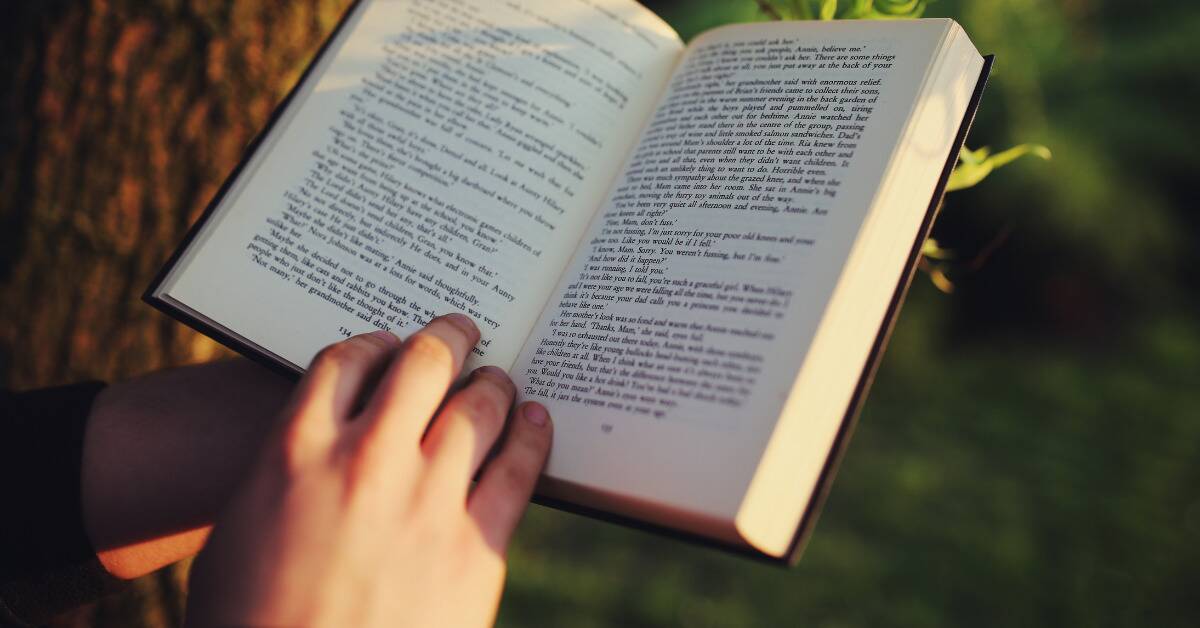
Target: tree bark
<point x="119" y="119"/>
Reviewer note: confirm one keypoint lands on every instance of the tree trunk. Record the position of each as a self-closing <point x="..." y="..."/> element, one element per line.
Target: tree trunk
<point x="118" y="121"/>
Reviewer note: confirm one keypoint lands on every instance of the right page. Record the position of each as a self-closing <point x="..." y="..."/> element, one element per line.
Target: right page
<point x="677" y="332"/>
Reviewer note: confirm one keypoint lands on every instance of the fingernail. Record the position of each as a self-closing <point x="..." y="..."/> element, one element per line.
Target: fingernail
<point x="386" y="336"/>
<point x="463" y="322"/>
<point x="536" y="414"/>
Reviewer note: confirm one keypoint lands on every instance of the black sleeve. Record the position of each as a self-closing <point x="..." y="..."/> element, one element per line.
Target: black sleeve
<point x="47" y="563"/>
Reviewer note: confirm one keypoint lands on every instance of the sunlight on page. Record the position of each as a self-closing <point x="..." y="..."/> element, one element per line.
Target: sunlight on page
<point x="445" y="157"/>
<point x="677" y="333"/>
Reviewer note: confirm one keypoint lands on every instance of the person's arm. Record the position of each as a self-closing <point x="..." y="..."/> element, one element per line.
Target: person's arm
<point x="136" y="472"/>
<point x="162" y="454"/>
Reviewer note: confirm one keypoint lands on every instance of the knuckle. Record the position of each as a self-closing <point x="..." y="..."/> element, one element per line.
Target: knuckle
<point x="430" y="350"/>
<point x="341" y="354"/>
<point x="324" y="356"/>
<point x="480" y="409"/>
<point x="360" y="461"/>
<point x="295" y="446"/>
<point x="486" y="401"/>
<point x="497" y="378"/>
<point x="459" y="324"/>
<point x="516" y="478"/>
<point x="372" y="342"/>
<point x="371" y="460"/>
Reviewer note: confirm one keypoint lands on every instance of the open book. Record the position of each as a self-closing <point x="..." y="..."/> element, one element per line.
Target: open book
<point x="691" y="255"/>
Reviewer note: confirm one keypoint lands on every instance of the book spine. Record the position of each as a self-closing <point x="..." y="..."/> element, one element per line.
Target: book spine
<point x="811" y="513"/>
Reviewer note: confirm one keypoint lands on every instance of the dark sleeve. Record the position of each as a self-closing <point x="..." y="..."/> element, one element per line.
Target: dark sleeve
<point x="47" y="563"/>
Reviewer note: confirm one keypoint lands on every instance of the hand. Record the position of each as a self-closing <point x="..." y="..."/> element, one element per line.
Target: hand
<point x="351" y="518"/>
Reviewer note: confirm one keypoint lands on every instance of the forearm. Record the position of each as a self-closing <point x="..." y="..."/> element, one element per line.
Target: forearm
<point x="163" y="452"/>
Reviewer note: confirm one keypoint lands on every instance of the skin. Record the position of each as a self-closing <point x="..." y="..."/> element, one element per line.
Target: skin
<point x="164" y="453"/>
<point x="359" y="507"/>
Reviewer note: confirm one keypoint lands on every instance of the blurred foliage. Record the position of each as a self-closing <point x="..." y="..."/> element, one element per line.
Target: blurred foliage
<point x="1004" y="487"/>
<point x="972" y="167"/>
<point x="1107" y="86"/>
<point x="844" y="9"/>
<point x="1029" y="455"/>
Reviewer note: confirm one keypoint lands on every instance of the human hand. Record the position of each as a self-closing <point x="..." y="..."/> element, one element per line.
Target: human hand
<point x="351" y="518"/>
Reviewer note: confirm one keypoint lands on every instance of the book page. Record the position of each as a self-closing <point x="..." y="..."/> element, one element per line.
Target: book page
<point x="676" y="334"/>
<point x="445" y="155"/>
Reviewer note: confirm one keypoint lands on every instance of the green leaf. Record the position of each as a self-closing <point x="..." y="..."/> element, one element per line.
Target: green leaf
<point x="828" y="9"/>
<point x="899" y="7"/>
<point x="896" y="9"/>
<point x="933" y="250"/>
<point x="975" y="166"/>
<point x="974" y="157"/>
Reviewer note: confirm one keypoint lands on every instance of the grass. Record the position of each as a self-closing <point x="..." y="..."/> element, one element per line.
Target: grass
<point x="993" y="486"/>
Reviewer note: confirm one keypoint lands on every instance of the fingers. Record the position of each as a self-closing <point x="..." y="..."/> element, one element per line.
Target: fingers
<point x="411" y="390"/>
<point x="468" y="425"/>
<point x="507" y="482"/>
<point x="326" y="396"/>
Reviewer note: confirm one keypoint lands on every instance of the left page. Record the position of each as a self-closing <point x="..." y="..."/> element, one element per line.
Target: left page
<point x="444" y="155"/>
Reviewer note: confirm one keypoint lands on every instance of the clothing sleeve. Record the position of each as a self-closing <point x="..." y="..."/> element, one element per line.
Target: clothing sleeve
<point x="47" y="563"/>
